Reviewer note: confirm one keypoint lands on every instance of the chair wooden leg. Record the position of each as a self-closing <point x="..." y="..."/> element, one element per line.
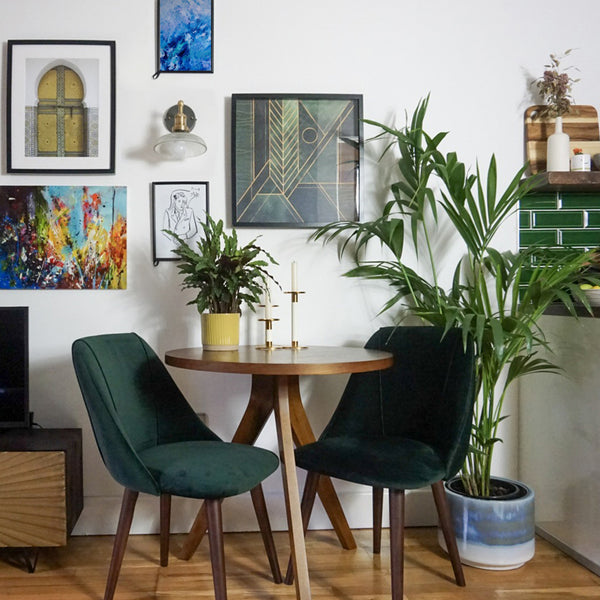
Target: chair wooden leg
<point x="308" y="501"/>
<point x="397" y="542"/>
<point x="260" y="508"/>
<point x="126" y="516"/>
<point x="217" y="553"/>
<point x="441" y="503"/>
<point x="165" y="527"/>
<point x="377" y="516"/>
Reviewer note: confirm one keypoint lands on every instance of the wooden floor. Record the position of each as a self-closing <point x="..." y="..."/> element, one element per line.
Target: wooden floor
<point x="78" y="572"/>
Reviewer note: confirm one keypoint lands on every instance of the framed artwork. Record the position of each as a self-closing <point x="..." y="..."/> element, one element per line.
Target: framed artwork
<point x="63" y="237"/>
<point x="60" y="106"/>
<point x="296" y="159"/>
<point x="176" y="206"/>
<point x="185" y="36"/>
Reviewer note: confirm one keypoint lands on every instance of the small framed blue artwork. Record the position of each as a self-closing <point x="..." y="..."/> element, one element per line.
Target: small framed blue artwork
<point x="185" y="36"/>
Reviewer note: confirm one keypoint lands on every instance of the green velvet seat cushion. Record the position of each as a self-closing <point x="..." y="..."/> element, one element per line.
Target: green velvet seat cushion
<point x="397" y="463"/>
<point x="208" y="469"/>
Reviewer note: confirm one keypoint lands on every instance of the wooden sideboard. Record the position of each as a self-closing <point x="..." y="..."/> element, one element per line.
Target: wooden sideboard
<point x="41" y="486"/>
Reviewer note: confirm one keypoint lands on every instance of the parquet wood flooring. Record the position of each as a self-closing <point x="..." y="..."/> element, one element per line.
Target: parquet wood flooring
<point x="78" y="572"/>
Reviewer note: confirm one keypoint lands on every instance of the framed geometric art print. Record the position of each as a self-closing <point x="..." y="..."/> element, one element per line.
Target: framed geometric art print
<point x="296" y="159"/>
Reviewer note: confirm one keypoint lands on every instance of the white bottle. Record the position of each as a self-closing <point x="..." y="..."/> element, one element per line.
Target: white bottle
<point x="558" y="150"/>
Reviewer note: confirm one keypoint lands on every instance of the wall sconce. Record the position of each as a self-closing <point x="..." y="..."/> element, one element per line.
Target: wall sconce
<point x="180" y="143"/>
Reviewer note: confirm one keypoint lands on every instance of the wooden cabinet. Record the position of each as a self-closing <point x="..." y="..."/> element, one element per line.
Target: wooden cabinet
<point x="41" y="486"/>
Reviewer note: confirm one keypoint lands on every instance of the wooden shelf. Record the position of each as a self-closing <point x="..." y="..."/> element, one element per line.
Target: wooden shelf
<point x="555" y="181"/>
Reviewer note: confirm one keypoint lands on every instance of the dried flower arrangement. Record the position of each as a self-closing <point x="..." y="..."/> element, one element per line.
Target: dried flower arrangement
<point x="555" y="87"/>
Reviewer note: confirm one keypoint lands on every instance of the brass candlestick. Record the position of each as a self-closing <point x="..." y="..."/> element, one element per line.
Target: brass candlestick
<point x="268" y="321"/>
<point x="295" y="295"/>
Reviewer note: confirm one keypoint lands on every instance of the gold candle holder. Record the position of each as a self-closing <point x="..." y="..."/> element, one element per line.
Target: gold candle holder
<point x="295" y="296"/>
<point x="268" y="334"/>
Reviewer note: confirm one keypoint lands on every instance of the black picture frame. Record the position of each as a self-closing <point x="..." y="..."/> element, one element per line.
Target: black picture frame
<point x="196" y="198"/>
<point x="78" y="115"/>
<point x="184" y="36"/>
<point x="296" y="159"/>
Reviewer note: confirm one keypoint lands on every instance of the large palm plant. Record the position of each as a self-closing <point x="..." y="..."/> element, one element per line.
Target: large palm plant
<point x="496" y="297"/>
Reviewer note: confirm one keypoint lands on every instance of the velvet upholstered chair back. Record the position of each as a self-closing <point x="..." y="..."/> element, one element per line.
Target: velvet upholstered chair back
<point x="427" y="395"/>
<point x="133" y="404"/>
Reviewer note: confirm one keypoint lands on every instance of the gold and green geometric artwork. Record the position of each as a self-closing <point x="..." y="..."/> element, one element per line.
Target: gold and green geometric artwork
<point x="296" y="160"/>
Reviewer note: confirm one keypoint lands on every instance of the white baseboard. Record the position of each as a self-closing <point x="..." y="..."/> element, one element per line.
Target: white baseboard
<point x="100" y="513"/>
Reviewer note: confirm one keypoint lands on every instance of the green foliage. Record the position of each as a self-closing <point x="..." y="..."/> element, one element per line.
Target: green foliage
<point x="484" y="299"/>
<point x="224" y="273"/>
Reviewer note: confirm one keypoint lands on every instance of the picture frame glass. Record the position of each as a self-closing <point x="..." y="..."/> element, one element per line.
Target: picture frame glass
<point x="296" y="159"/>
<point x="60" y="106"/>
<point x="177" y="206"/>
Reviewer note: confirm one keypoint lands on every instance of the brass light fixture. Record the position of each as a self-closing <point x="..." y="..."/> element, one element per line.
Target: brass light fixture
<point x="180" y="143"/>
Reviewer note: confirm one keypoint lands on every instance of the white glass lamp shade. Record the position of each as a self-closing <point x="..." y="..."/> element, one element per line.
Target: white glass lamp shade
<point x="179" y="145"/>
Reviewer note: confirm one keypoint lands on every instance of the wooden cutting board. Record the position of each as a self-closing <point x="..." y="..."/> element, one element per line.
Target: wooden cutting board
<point x="581" y="124"/>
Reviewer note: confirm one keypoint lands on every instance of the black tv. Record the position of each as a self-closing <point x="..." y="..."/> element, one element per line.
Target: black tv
<point x="14" y="367"/>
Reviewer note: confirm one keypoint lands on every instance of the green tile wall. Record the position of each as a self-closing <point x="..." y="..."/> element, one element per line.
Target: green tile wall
<point x="560" y="219"/>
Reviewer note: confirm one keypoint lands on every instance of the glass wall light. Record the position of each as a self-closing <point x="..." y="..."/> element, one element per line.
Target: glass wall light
<point x="180" y="143"/>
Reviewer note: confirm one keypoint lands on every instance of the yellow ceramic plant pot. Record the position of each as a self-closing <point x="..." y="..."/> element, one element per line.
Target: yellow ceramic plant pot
<point x="220" y="331"/>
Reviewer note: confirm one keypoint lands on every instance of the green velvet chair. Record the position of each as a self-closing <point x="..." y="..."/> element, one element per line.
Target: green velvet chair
<point x="400" y="429"/>
<point x="152" y="441"/>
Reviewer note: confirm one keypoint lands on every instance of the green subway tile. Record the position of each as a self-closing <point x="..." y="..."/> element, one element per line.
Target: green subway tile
<point x="539" y="237"/>
<point x="524" y="219"/>
<point x="586" y="237"/>
<point x="594" y="218"/>
<point x="580" y="200"/>
<point x="557" y="218"/>
<point x="539" y="201"/>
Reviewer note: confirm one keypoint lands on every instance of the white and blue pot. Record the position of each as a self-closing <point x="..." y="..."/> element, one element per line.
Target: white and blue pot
<point x="495" y="533"/>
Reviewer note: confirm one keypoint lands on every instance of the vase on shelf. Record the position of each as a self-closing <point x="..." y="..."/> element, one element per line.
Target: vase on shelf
<point x="558" y="149"/>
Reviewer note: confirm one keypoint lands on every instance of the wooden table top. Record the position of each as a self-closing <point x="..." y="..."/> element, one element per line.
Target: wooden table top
<point x="313" y="360"/>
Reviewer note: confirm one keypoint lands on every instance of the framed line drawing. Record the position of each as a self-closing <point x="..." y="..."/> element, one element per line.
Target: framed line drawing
<point x="296" y="159"/>
<point x="60" y="106"/>
<point x="176" y="206"/>
<point x="184" y="36"/>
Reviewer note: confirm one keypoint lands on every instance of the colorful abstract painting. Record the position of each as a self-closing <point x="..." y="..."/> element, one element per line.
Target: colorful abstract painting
<point x="296" y="159"/>
<point x="63" y="237"/>
<point x="185" y="36"/>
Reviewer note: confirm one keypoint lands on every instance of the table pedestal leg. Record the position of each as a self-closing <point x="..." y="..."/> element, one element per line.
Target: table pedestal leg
<point x="290" y="486"/>
<point x="303" y="434"/>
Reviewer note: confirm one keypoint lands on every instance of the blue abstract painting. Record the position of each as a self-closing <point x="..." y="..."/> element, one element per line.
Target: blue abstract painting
<point x="185" y="36"/>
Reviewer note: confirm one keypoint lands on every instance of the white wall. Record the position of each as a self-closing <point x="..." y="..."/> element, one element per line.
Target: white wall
<point x="475" y="58"/>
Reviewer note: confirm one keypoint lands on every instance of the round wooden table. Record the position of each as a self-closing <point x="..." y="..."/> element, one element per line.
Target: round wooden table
<point x="275" y="388"/>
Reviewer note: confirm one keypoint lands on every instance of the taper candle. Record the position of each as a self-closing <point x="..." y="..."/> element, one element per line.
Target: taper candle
<point x="294" y="276"/>
<point x="268" y="304"/>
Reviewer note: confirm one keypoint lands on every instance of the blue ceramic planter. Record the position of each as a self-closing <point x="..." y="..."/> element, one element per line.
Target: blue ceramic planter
<point x="493" y="534"/>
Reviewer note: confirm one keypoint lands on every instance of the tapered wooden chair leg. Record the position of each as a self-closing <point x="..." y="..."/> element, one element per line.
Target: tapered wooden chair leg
<point x="397" y="542"/>
<point x="260" y="508"/>
<point x="217" y="553"/>
<point x="308" y="501"/>
<point x="165" y="527"/>
<point x="377" y="517"/>
<point x="126" y="516"/>
<point x="441" y="503"/>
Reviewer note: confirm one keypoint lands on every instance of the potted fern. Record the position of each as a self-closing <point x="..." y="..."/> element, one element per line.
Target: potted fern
<point x="495" y="297"/>
<point x="225" y="275"/>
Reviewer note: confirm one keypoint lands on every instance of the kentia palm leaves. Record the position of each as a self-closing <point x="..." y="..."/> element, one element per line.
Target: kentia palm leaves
<point x="497" y="297"/>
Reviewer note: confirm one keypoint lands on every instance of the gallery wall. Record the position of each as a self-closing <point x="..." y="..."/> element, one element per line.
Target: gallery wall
<point x="476" y="59"/>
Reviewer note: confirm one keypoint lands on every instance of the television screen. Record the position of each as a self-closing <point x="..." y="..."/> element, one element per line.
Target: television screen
<point x="14" y="366"/>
